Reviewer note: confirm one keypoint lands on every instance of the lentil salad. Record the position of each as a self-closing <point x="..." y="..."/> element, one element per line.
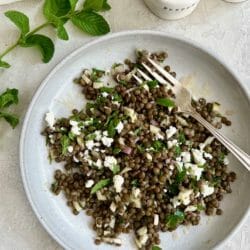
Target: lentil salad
<point x="133" y="162"/>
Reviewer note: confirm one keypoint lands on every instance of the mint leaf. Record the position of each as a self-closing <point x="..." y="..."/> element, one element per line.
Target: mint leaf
<point x="105" y="6"/>
<point x="62" y="33"/>
<point x="165" y="102"/>
<point x="91" y="23"/>
<point x="158" y="145"/>
<point x="156" y="248"/>
<point x="181" y="138"/>
<point x="9" y="97"/>
<point x="4" y="64"/>
<point x="11" y="119"/>
<point x="20" y="20"/>
<point x="44" y="43"/>
<point x="95" y="5"/>
<point x="65" y="142"/>
<point x="116" y="169"/>
<point x="177" y="151"/>
<point x="175" y="219"/>
<point x="152" y="84"/>
<point x="73" y="4"/>
<point x="116" y="151"/>
<point x="99" y="185"/>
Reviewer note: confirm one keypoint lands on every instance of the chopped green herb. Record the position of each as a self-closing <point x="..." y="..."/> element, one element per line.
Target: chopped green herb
<point x="117" y="98"/>
<point x="152" y="84"/>
<point x="174" y="187"/>
<point x="122" y="82"/>
<point x="54" y="186"/>
<point x="135" y="183"/>
<point x="71" y="136"/>
<point x="116" y="151"/>
<point x="177" y="151"/>
<point x="96" y="74"/>
<point x="65" y="142"/>
<point x="99" y="185"/>
<point x="156" y="248"/>
<point x="141" y="148"/>
<point x="107" y="90"/>
<point x="137" y="131"/>
<point x="116" y="169"/>
<point x="112" y="123"/>
<point x="158" y="145"/>
<point x="165" y="102"/>
<point x="181" y="176"/>
<point x="100" y="100"/>
<point x="221" y="157"/>
<point x="175" y="219"/>
<point x="216" y="181"/>
<point x="181" y="138"/>
<point x="90" y="105"/>
<point x="91" y="137"/>
<point x="9" y="97"/>
<point x="200" y="207"/>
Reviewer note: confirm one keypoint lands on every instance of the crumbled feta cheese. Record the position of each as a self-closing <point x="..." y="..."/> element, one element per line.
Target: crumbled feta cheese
<point x="206" y="190"/>
<point x="100" y="196"/>
<point x="50" y="119"/>
<point x="208" y="141"/>
<point x="118" y="182"/>
<point x="171" y="131"/>
<point x="141" y="231"/>
<point x="119" y="127"/>
<point x="112" y="222"/>
<point x="110" y="162"/>
<point x="70" y="149"/>
<point x="207" y="155"/>
<point x="171" y="167"/>
<point x="142" y="240"/>
<point x="86" y="79"/>
<point x="186" y="157"/>
<point x="98" y="85"/>
<point x="157" y="132"/>
<point x="107" y="141"/>
<point x="112" y="207"/>
<point x="98" y="135"/>
<point x="182" y="198"/>
<point x="75" y="159"/>
<point x="89" y="183"/>
<point x="90" y="144"/>
<point x="194" y="170"/>
<point x="198" y="157"/>
<point x="190" y="208"/>
<point x="98" y="163"/>
<point x="156" y="219"/>
<point x="74" y="127"/>
<point x="145" y="86"/>
<point x="149" y="156"/>
<point x="135" y="197"/>
<point x="131" y="113"/>
<point x="172" y="143"/>
<point x="112" y="240"/>
<point x="105" y="94"/>
<point x="226" y="161"/>
<point x="182" y="121"/>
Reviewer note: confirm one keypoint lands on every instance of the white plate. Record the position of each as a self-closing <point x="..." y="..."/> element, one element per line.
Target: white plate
<point x="211" y="78"/>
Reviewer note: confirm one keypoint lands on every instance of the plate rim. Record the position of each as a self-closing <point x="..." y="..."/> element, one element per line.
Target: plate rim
<point x="91" y="43"/>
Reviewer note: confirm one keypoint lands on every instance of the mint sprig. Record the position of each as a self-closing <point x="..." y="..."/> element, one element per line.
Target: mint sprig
<point x="8" y="98"/>
<point x="57" y="14"/>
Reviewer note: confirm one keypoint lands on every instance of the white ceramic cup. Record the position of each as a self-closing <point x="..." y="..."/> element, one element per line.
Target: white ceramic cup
<point x="172" y="9"/>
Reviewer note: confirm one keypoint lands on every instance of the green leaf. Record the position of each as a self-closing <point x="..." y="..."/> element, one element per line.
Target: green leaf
<point x="158" y="145"/>
<point x="73" y="4"/>
<point x="117" y="98"/>
<point x="105" y="6"/>
<point x="91" y="23"/>
<point x="106" y="90"/>
<point x="54" y="9"/>
<point x="156" y="248"/>
<point x="4" y="64"/>
<point x="95" y="5"/>
<point x="90" y="137"/>
<point x="141" y="148"/>
<point x="20" y="20"/>
<point x="181" y="176"/>
<point x="175" y="219"/>
<point x="9" y="97"/>
<point x="134" y="183"/>
<point x="221" y="157"/>
<point x="116" y="151"/>
<point x="174" y="188"/>
<point x="11" y="119"/>
<point x="112" y="126"/>
<point x="152" y="84"/>
<point x="116" y="169"/>
<point x="62" y="33"/>
<point x="177" y="151"/>
<point x="165" y="102"/>
<point x="181" y="138"/>
<point x="99" y="185"/>
<point x="71" y="136"/>
<point x="65" y="142"/>
<point x="137" y="131"/>
<point x="200" y="207"/>
<point x="44" y="43"/>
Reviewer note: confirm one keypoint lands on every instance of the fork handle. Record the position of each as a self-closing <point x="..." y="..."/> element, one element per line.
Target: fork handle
<point x="242" y="156"/>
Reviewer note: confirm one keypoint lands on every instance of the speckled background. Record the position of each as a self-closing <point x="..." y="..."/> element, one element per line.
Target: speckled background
<point x="220" y="26"/>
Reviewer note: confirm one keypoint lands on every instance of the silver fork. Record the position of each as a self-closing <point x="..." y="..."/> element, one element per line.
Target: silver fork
<point x="183" y="101"/>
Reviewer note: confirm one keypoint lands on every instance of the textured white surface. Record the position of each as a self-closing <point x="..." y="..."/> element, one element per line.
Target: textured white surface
<point x="221" y="26"/>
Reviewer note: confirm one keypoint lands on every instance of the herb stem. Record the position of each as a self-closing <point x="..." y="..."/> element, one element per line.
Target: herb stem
<point x="17" y="42"/>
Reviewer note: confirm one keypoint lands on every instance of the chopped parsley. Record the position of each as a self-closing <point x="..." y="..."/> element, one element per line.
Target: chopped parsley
<point x="116" y="169"/>
<point x="165" y="102"/>
<point x="158" y="145"/>
<point x="65" y="142"/>
<point x="181" y="138"/>
<point x="173" y="220"/>
<point x="152" y="84"/>
<point x="177" y="151"/>
<point x="99" y="185"/>
<point x="135" y="183"/>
